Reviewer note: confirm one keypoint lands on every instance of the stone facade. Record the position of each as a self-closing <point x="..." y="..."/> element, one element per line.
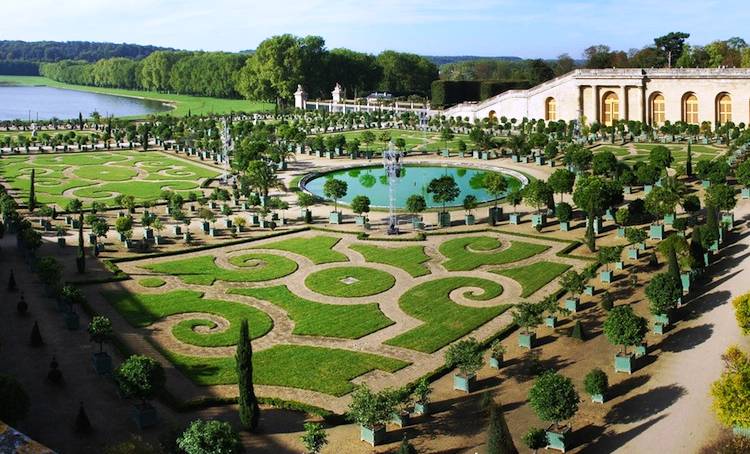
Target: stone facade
<point x="597" y="95"/>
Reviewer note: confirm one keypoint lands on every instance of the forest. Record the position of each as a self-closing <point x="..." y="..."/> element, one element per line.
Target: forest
<point x="51" y="51"/>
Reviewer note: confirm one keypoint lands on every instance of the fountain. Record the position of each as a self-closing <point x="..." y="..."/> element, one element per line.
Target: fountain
<point x="392" y="165"/>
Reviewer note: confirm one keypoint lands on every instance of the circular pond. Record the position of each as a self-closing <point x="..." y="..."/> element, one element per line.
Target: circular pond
<point x="372" y="182"/>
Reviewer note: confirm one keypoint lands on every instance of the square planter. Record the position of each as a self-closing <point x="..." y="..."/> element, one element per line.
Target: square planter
<point x="728" y="220"/>
<point x="619" y="265"/>
<point x="624" y="363"/>
<point x="205" y="226"/>
<point x="254" y="219"/>
<point x="444" y="219"/>
<point x="564" y="226"/>
<point x="626" y="190"/>
<point x="551" y="163"/>
<point x="669" y="219"/>
<point x="597" y="225"/>
<point x="335" y="217"/>
<point x="640" y="350"/>
<point x="446" y="154"/>
<point x="61" y="242"/>
<point x="588" y="290"/>
<point x="620" y="232"/>
<point x="213" y="232"/>
<point x="514" y="158"/>
<point x="705" y="183"/>
<point x="526" y="340"/>
<point x="745" y="193"/>
<point x="597" y="398"/>
<point x="572" y="304"/>
<point x="72" y="321"/>
<point x="659" y="328"/>
<point x="647" y="188"/>
<point x="102" y="363"/>
<point x="714" y="246"/>
<point x="228" y="223"/>
<point x="485" y="155"/>
<point x="372" y="435"/>
<point x="539" y="160"/>
<point x="662" y="319"/>
<point x="402" y="419"/>
<point x="360" y="220"/>
<point x="496" y="362"/>
<point x="514" y="218"/>
<point x="538" y="219"/>
<point x="608" y="215"/>
<point x="550" y="321"/>
<point x="496" y="214"/>
<point x="606" y="277"/>
<point x="656" y="232"/>
<point x="462" y="383"/>
<point x="145" y="416"/>
<point x="633" y="253"/>
<point x="417" y="223"/>
<point x="422" y="408"/>
<point x="177" y="230"/>
<point x="557" y="437"/>
<point x="469" y="219"/>
<point x="686" y="279"/>
<point x="741" y="431"/>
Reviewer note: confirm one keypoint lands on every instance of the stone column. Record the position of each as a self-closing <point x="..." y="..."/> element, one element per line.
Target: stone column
<point x="624" y="103"/>
<point x="580" y="103"/>
<point x="644" y="118"/>
<point x="597" y="105"/>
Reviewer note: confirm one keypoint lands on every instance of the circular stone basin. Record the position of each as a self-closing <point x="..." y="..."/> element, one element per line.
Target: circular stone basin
<point x="105" y="173"/>
<point x="372" y="182"/>
<point x="349" y="281"/>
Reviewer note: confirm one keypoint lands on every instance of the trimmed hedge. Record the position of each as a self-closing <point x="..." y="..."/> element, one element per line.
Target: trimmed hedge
<point x="450" y="92"/>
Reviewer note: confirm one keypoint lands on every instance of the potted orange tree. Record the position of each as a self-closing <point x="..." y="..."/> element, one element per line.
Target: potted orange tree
<point x="466" y="356"/>
<point x="371" y="411"/>
<point x="554" y="399"/>
<point x="623" y="327"/>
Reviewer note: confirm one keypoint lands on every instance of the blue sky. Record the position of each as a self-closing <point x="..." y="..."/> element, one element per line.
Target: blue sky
<point x="530" y="28"/>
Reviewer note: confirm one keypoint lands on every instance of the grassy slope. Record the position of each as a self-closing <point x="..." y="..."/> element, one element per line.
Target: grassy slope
<point x="318" y="319"/>
<point x="534" y="276"/>
<point x="142" y="310"/>
<point x="459" y="258"/>
<point x="410" y="258"/>
<point x="370" y="281"/>
<point x="317" y="248"/>
<point x="326" y="370"/>
<point x="203" y="271"/>
<point x="444" y="320"/>
<point x="196" y="105"/>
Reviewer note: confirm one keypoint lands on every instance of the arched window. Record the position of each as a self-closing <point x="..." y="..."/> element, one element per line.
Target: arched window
<point x="550" y="109"/>
<point x="610" y="109"/>
<point x="657" y="110"/>
<point x="723" y="109"/>
<point x="690" y="109"/>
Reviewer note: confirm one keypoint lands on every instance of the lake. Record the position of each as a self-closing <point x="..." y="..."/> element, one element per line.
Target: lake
<point x="44" y="103"/>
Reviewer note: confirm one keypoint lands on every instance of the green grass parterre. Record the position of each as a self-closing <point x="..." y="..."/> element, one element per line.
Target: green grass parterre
<point x="319" y="249"/>
<point x="535" y="276"/>
<point x="204" y="271"/>
<point x="365" y="281"/>
<point x="409" y="258"/>
<point x="469" y="253"/>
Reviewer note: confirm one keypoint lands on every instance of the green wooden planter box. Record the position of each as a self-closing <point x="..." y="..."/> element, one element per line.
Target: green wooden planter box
<point x="526" y="340"/>
<point x="728" y="219"/>
<point x="373" y="436"/>
<point x="640" y="350"/>
<point x="550" y="321"/>
<point x="335" y="217"/>
<point x="72" y="321"/>
<point x="417" y="224"/>
<point x="462" y="383"/>
<point x="597" y="398"/>
<point x="669" y="219"/>
<point x="360" y="220"/>
<point x="572" y="304"/>
<point x="686" y="279"/>
<point x="145" y="416"/>
<point x="741" y="431"/>
<point x="633" y="253"/>
<point x="469" y="219"/>
<point x="588" y="290"/>
<point x="662" y="318"/>
<point x="538" y="219"/>
<point x="624" y="363"/>
<point x="606" y="276"/>
<point x="205" y="226"/>
<point x="496" y="362"/>
<point x="714" y="246"/>
<point x="659" y="328"/>
<point x="496" y="214"/>
<point x="647" y="188"/>
<point x="597" y="225"/>
<point x="620" y="232"/>
<point x="401" y="419"/>
<point x="444" y="219"/>
<point x="619" y="265"/>
<point x="626" y="190"/>
<point x="656" y="232"/>
<point x="539" y="160"/>
<point x="558" y="439"/>
<point x="608" y="215"/>
<point x="565" y="226"/>
<point x="102" y="363"/>
<point x="745" y="193"/>
<point x="514" y="218"/>
<point x="422" y="408"/>
<point x="706" y="183"/>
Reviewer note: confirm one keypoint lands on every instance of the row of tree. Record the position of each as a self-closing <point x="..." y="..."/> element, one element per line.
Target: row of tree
<point x="49" y="51"/>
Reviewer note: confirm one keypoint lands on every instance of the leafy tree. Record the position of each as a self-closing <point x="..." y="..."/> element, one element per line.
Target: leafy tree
<point x="15" y="401"/>
<point x="604" y="163"/>
<point x="729" y="392"/>
<point x="470" y="203"/>
<point x="249" y="409"/>
<point x="721" y="196"/>
<point x="370" y="409"/>
<point x="663" y="291"/>
<point x="742" y="173"/>
<point x="562" y="181"/>
<point x="608" y="255"/>
<point x="495" y="184"/>
<point x="443" y="189"/>
<point x="596" y="382"/>
<point x="335" y="189"/>
<point x="209" y="437"/>
<point x="100" y="330"/>
<point x="537" y="193"/>
<point x="415" y="204"/>
<point x="527" y="316"/>
<point x="514" y="197"/>
<point x="635" y="235"/>
<point x="262" y="177"/>
<point x="553" y="398"/>
<point x="661" y="202"/>
<point x="564" y="212"/>
<point x="661" y="158"/>
<point x="466" y="355"/>
<point x="742" y="312"/>
<point x="74" y="206"/>
<point x="140" y="377"/>
<point x="361" y="204"/>
<point x="499" y="440"/>
<point x="671" y="46"/>
<point x="314" y="438"/>
<point x="624" y="327"/>
<point x="573" y="282"/>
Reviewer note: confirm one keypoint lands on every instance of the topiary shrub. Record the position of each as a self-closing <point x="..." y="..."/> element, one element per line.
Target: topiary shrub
<point x="203" y="437"/>
<point x="553" y="398"/>
<point x="140" y="377"/>
<point x="36" y="336"/>
<point x="577" y="331"/>
<point x="596" y="382"/>
<point x="535" y="438"/>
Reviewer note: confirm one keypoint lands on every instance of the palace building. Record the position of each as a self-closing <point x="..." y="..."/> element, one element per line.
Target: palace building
<point x="653" y="96"/>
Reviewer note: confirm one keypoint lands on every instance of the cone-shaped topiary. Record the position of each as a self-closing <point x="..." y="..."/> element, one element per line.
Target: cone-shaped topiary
<point x="36" y="336"/>
<point x="499" y="440"/>
<point x="406" y="447"/>
<point x="577" y="332"/>
<point x="12" y="282"/>
<point x="54" y="375"/>
<point x="249" y="410"/>
<point x="83" y="425"/>
<point x="22" y="307"/>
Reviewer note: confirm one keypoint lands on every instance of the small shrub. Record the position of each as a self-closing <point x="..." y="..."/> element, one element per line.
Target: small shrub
<point x="535" y="438"/>
<point x="607" y="302"/>
<point x="596" y="382"/>
<point x="362" y="236"/>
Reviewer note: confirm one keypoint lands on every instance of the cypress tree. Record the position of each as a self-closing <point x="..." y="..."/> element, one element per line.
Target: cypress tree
<point x="590" y="235"/>
<point x="406" y="447"/>
<point x="696" y="250"/>
<point x="673" y="265"/>
<point x="689" y="162"/>
<point x="36" y="336"/>
<point x="249" y="410"/>
<point x="82" y="425"/>
<point x="499" y="440"/>
<point x="12" y="282"/>
<point x="81" y="257"/>
<point x="712" y="221"/>
<point x="32" y="195"/>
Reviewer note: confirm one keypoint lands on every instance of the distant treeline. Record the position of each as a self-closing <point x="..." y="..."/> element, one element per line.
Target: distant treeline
<point x="449" y="92"/>
<point x="51" y="51"/>
<point x="446" y="59"/>
<point x="271" y="73"/>
<point x="19" y="68"/>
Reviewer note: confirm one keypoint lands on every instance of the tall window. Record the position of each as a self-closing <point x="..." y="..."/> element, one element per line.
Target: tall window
<point x="657" y="110"/>
<point x="690" y="109"/>
<point x="611" y="109"/>
<point x="723" y="109"/>
<point x="550" y="110"/>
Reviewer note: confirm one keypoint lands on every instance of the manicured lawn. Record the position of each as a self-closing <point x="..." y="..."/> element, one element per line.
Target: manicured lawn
<point x="410" y="258"/>
<point x="196" y="105"/>
<point x="326" y="370"/>
<point x="142" y="310"/>
<point x="364" y="281"/>
<point x="468" y="253"/>
<point x="318" y="319"/>
<point x="101" y="175"/>
<point x="151" y="282"/>
<point x="534" y="276"/>
<point x="318" y="248"/>
<point x="444" y="320"/>
<point x="204" y="271"/>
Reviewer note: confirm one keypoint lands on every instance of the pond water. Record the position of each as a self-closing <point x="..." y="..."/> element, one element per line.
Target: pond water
<point x="372" y="182"/>
<point x="44" y="103"/>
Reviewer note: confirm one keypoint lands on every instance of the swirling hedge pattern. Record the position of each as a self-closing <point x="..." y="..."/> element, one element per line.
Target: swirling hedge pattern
<point x="469" y="253"/>
<point x="204" y="271"/>
<point x="364" y="281"/>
